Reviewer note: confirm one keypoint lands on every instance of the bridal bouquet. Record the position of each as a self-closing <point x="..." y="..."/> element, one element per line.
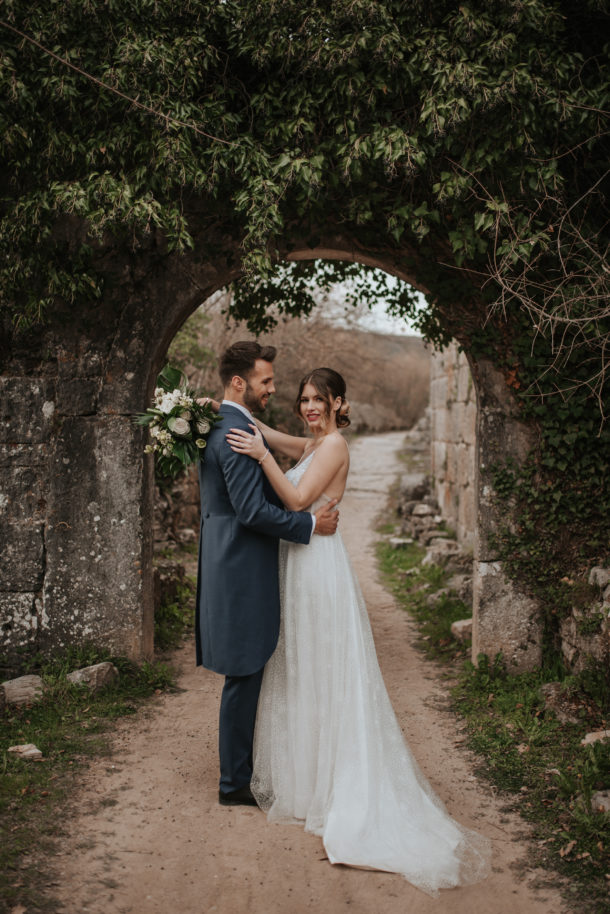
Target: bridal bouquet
<point x="178" y="425"/>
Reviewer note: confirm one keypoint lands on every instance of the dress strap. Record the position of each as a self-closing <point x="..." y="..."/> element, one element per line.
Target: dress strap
<point x="304" y="457"/>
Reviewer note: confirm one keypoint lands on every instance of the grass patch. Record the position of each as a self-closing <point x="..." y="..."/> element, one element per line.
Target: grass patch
<point x="539" y="763"/>
<point x="69" y="725"/>
<point x="527" y="752"/>
<point x="412" y="585"/>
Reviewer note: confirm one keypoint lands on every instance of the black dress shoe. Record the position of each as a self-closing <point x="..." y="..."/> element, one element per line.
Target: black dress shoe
<point x="240" y="797"/>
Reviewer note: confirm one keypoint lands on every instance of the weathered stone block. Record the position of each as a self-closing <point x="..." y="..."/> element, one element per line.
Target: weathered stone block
<point x="596" y="736"/>
<point x="505" y="620"/>
<point x="439" y="551"/>
<point x="448" y="499"/>
<point x="20" y="453"/>
<point x="599" y="577"/>
<point x="465" y="386"/>
<point x="19" y="620"/>
<point x="428" y="535"/>
<point x="439" y="460"/>
<point x="585" y="637"/>
<point x="21" y="494"/>
<point x="461" y="585"/>
<point x="462" y="629"/>
<point x="438" y="387"/>
<point x="422" y="510"/>
<point x="465" y="467"/>
<point x="27" y="407"/>
<point x="600" y="801"/>
<point x="95" y="677"/>
<point x="457" y="414"/>
<point x="445" y="544"/>
<point x="440" y="425"/>
<point x="77" y="396"/>
<point x="466" y="520"/>
<point x="95" y="539"/>
<point x="23" y="556"/>
<point x="469" y="429"/>
<point x="26" y="751"/>
<point x="24" y="690"/>
<point x="85" y="355"/>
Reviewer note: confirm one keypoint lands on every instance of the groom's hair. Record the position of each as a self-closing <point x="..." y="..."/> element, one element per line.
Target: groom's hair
<point x="239" y="359"/>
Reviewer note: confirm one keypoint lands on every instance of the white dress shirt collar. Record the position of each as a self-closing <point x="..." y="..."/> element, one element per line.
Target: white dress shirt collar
<point x="242" y="409"/>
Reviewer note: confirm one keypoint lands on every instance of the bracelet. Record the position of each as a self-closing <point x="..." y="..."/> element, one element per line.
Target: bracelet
<point x="264" y="455"/>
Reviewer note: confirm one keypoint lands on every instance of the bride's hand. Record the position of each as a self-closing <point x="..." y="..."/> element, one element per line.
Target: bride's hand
<point x="243" y="442"/>
<point x="213" y="403"/>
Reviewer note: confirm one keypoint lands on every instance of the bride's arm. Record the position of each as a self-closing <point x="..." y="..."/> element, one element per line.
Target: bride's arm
<point x="290" y="445"/>
<point x="332" y="455"/>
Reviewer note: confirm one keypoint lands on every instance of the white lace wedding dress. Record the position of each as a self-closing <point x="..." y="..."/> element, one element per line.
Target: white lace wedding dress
<point x="328" y="750"/>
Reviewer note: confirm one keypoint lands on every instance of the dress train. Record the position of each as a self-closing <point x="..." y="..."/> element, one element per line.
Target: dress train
<point x="328" y="750"/>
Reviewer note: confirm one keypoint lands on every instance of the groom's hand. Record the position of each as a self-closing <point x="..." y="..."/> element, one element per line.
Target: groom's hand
<point x="327" y="519"/>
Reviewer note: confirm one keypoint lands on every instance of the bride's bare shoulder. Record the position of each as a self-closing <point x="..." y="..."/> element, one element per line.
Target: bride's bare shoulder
<point x="335" y="446"/>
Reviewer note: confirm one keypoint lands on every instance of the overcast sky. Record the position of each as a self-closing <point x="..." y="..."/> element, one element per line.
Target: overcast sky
<point x="375" y="319"/>
<point x="380" y="322"/>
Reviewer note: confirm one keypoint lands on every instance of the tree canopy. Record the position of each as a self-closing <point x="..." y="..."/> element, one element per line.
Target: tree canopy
<point x="472" y="133"/>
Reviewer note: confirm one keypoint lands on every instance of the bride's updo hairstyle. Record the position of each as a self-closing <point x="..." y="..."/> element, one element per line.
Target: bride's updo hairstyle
<point x="329" y="385"/>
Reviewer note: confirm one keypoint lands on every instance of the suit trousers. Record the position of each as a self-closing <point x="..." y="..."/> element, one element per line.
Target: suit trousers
<point x="236" y="729"/>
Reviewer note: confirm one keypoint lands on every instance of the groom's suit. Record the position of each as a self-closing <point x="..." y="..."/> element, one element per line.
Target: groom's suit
<point x="238" y="603"/>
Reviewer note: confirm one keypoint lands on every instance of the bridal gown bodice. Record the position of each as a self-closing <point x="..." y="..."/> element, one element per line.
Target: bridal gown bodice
<point x="328" y="750"/>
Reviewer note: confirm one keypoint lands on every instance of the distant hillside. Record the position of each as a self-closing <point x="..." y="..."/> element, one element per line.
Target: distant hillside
<point x="387" y="376"/>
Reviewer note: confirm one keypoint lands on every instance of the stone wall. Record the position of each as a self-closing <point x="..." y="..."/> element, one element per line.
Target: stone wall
<point x="68" y="514"/>
<point x="463" y="442"/>
<point x="453" y="416"/>
<point x="474" y="425"/>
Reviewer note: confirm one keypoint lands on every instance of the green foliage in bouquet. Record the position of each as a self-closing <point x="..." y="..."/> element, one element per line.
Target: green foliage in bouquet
<point x="177" y="423"/>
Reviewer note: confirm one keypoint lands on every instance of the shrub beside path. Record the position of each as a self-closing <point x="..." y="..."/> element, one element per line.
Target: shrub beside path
<point x="147" y="836"/>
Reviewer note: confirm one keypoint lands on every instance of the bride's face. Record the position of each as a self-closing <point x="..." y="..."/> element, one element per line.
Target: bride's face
<point x="315" y="410"/>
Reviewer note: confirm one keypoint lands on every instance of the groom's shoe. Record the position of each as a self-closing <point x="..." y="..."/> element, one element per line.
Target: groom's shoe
<point x="240" y="797"/>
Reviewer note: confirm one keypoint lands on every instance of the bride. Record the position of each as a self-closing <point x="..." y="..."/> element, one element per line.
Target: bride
<point x="328" y="750"/>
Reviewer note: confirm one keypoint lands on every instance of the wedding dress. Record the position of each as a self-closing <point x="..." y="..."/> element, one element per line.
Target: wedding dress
<point x="328" y="750"/>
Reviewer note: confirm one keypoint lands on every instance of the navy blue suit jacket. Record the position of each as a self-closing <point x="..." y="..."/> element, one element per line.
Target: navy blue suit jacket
<point x="242" y="520"/>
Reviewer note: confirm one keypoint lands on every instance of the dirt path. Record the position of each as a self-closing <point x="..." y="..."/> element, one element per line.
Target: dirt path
<point x="150" y="837"/>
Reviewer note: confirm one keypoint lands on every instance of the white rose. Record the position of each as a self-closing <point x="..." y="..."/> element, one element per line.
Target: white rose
<point x="166" y="403"/>
<point x="186" y="414"/>
<point x="203" y="426"/>
<point x="179" y="426"/>
<point x="201" y="443"/>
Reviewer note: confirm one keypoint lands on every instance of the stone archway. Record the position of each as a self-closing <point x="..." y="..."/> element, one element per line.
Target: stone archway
<point x="77" y="495"/>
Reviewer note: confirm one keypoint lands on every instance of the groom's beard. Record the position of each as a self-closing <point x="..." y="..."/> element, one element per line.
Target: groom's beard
<point x="253" y="402"/>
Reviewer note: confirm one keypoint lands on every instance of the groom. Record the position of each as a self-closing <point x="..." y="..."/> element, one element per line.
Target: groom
<point x="238" y="602"/>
